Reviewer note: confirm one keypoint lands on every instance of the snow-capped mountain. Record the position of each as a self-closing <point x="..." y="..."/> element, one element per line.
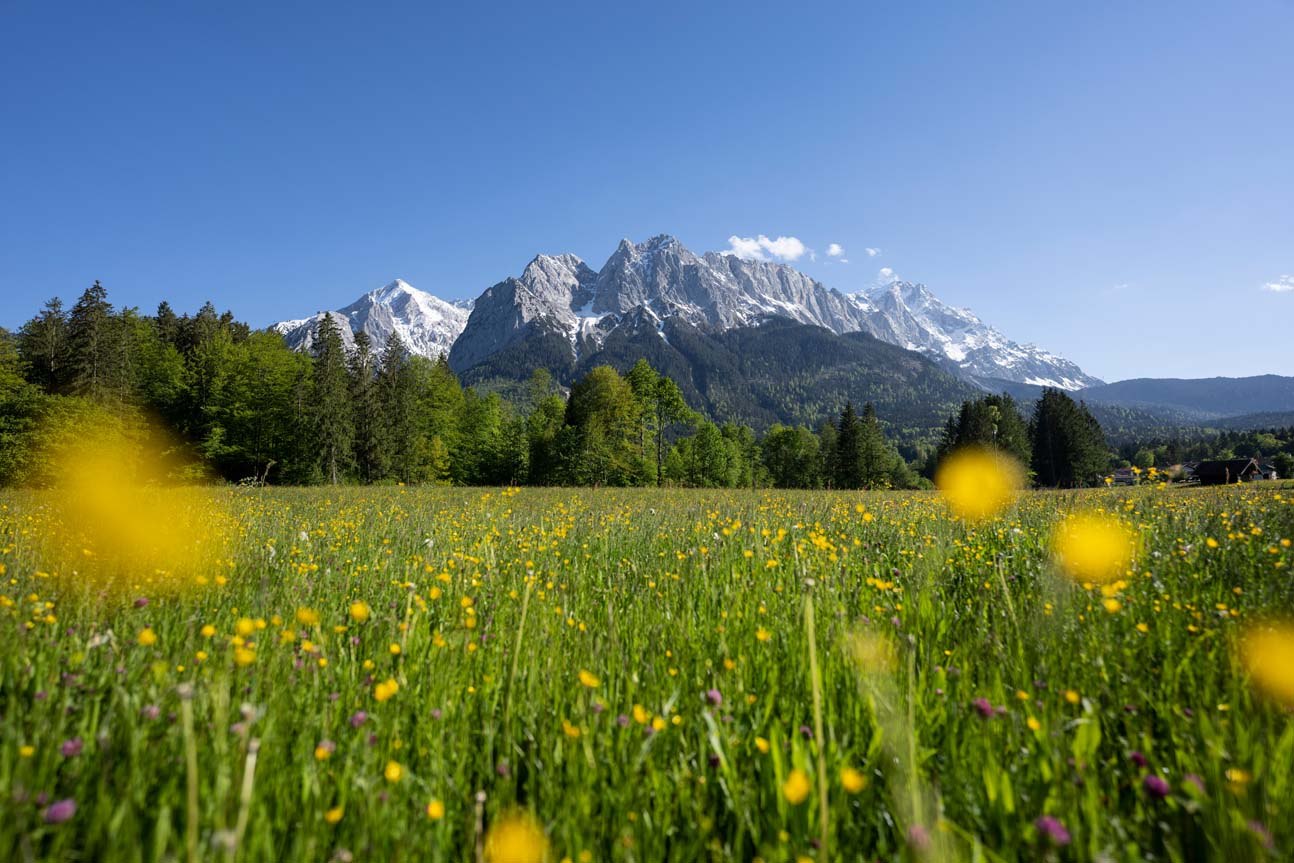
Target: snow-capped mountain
<point x="571" y="307"/>
<point x="909" y="315"/>
<point x="426" y="324"/>
<point x="660" y="280"/>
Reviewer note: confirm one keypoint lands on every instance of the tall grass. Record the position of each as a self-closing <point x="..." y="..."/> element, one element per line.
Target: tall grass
<point x="1016" y="693"/>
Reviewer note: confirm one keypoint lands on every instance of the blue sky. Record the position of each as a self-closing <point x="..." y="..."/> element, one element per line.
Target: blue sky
<point x="1113" y="181"/>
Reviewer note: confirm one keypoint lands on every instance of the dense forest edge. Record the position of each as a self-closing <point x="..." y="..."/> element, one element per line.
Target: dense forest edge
<point x="206" y="397"/>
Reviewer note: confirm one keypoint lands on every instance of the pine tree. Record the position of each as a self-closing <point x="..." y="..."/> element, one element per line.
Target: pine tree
<point x="96" y="366"/>
<point x="167" y="323"/>
<point x="849" y="440"/>
<point x="369" y="447"/>
<point x="331" y="410"/>
<point x="43" y="347"/>
<point x="1068" y="446"/>
<point x="875" y="457"/>
<point x="397" y="409"/>
<point x="991" y="421"/>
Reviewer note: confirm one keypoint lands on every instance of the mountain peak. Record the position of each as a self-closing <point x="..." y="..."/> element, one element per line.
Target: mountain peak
<point x="660" y="241"/>
<point x="393" y="289"/>
<point x="659" y="278"/>
<point x="425" y="323"/>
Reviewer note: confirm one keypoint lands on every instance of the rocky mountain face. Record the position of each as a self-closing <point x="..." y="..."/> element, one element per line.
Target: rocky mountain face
<point x="427" y="325"/>
<point x="662" y="280"/>
<point x="560" y="311"/>
<point x="909" y="315"/>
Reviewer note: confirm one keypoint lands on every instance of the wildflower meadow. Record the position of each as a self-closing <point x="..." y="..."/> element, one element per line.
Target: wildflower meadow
<point x="640" y="675"/>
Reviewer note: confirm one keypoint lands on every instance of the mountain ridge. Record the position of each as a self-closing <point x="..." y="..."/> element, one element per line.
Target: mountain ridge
<point x="661" y="279"/>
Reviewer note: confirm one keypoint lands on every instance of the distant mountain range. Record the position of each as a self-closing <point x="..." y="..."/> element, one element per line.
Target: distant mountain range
<point x="752" y="340"/>
<point x="663" y="280"/>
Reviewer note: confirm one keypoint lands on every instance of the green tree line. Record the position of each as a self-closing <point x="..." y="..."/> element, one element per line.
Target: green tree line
<point x="239" y="405"/>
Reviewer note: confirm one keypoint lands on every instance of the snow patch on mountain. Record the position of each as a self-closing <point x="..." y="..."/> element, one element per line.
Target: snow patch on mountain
<point x="652" y="282"/>
<point x="909" y="315"/>
<point x="426" y="324"/>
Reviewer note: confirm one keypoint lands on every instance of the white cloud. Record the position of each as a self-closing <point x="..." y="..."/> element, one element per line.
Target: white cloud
<point x="886" y="275"/>
<point x="1282" y="285"/>
<point x="835" y="250"/>
<point x="761" y="248"/>
<point x="871" y="253"/>
<point x="844" y="260"/>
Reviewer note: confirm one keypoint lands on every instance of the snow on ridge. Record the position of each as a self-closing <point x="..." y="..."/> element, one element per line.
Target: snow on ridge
<point x="661" y="279"/>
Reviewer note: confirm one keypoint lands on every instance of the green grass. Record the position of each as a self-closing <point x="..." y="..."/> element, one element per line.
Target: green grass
<point x="663" y="596"/>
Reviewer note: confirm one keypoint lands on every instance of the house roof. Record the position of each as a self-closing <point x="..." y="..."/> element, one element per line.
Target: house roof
<point x="1226" y="467"/>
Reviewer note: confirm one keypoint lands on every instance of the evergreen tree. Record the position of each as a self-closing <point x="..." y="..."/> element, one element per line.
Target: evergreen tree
<point x="370" y="442"/>
<point x="96" y="356"/>
<point x="1068" y="446"/>
<point x="876" y="459"/>
<point x="991" y="421"/>
<point x="397" y="409"/>
<point x="849" y="442"/>
<point x="43" y="348"/>
<point x="167" y="323"/>
<point x="333" y="419"/>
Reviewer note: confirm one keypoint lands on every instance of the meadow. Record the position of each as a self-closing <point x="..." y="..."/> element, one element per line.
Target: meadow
<point x="400" y="673"/>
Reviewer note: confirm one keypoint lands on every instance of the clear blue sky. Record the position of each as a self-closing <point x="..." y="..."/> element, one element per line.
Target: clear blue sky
<point x="1114" y="181"/>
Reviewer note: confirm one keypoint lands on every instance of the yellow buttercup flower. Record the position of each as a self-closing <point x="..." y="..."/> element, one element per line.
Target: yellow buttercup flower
<point x="435" y="810"/>
<point x="852" y="780"/>
<point x="1091" y="547"/>
<point x="1268" y="656"/>
<point x="516" y="838"/>
<point x="978" y="483"/>
<point x="359" y="611"/>
<point x="146" y="637"/>
<point x="387" y="688"/>
<point x="588" y="679"/>
<point x="333" y="815"/>
<point x="797" y="786"/>
<point x="393" y="771"/>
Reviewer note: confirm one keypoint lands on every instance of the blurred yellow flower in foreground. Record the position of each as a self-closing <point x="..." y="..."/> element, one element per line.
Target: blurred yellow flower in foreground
<point x="797" y="786"/>
<point x="1091" y="547"/>
<point x="1268" y="656"/>
<point x="128" y="520"/>
<point x="516" y="838"/>
<point x="978" y="483"/>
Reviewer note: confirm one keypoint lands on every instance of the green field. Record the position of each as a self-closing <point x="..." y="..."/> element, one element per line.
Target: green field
<point x="242" y="706"/>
